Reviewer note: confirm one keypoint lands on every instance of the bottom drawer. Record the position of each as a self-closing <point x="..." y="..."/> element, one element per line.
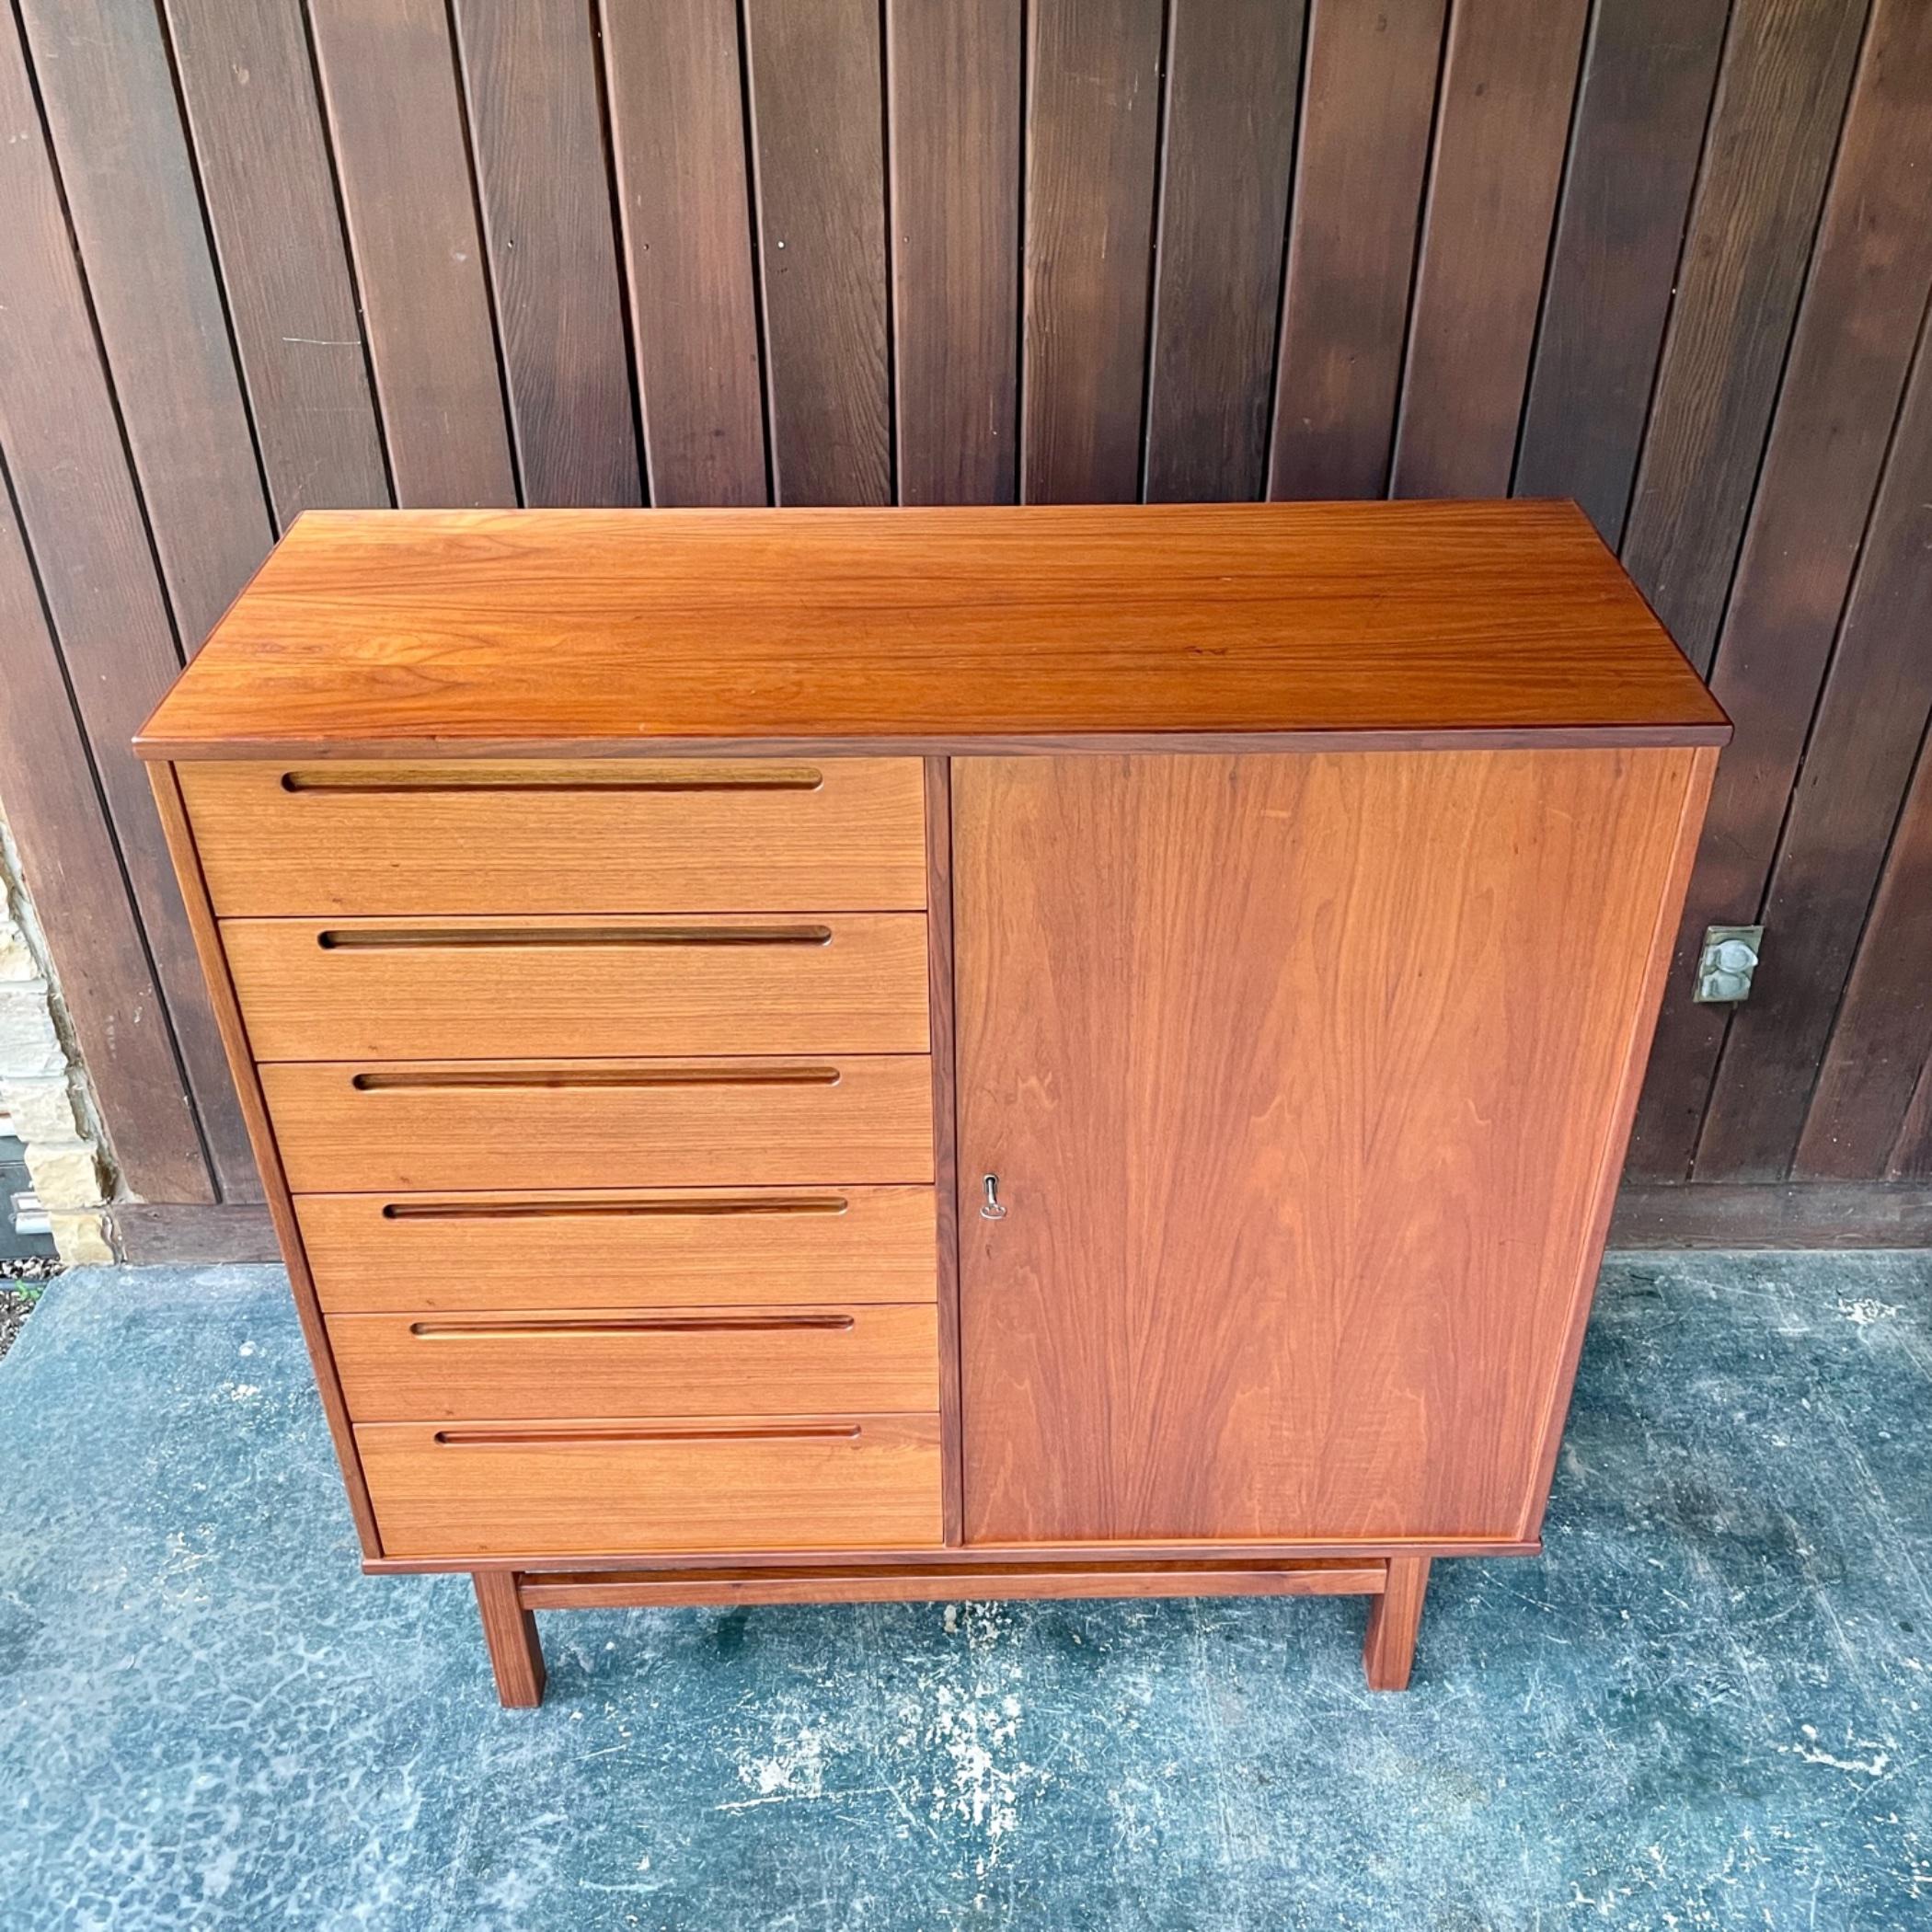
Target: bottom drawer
<point x="452" y="1491"/>
<point x="660" y="1361"/>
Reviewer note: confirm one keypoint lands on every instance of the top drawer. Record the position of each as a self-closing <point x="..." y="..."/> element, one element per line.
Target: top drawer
<point x="605" y="836"/>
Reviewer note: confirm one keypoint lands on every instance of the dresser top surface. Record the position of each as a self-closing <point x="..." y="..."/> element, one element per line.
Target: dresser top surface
<point x="452" y="633"/>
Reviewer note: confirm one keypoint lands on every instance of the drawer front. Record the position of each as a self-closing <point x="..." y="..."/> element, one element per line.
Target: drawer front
<point x="348" y="1126"/>
<point x="400" y="989"/>
<point x="550" y="1364"/>
<point x="657" y="1247"/>
<point x="610" y="1489"/>
<point x="608" y="836"/>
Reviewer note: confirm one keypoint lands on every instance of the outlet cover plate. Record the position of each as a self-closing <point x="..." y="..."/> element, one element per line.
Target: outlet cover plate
<point x="1727" y="964"/>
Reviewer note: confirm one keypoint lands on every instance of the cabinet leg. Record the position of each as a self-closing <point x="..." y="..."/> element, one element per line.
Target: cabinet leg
<point x="1393" y="1623"/>
<point x="510" y="1630"/>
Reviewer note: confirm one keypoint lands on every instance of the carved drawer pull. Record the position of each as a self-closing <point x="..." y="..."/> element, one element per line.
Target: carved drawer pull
<point x="347" y="939"/>
<point x="534" y="1210"/>
<point x="510" y="1438"/>
<point x="599" y="1077"/>
<point x="625" y="1325"/>
<point x="741" y="777"/>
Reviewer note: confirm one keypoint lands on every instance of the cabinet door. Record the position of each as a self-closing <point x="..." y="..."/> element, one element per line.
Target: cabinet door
<point x="1306" y="1078"/>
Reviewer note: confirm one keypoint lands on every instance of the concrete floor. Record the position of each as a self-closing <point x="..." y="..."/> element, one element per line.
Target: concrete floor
<point x="1706" y="1705"/>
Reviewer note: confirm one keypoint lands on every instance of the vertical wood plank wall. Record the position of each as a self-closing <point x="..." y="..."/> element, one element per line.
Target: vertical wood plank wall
<point x="1669" y="256"/>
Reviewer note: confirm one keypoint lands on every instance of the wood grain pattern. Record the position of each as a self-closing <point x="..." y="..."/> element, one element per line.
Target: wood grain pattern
<point x="1368" y="102"/>
<point x="1395" y="1618"/>
<point x="76" y="504"/>
<point x="814" y="88"/>
<point x="262" y="158"/>
<point x="965" y="94"/>
<point x="1882" y="1037"/>
<point x="940" y="1556"/>
<point x="515" y="1656"/>
<point x="172" y="1232"/>
<point x="543" y="1364"/>
<point x="1850" y="355"/>
<point x="1781" y="95"/>
<point x="954" y="117"/>
<point x="398" y="989"/>
<point x="1911" y="1158"/>
<point x="682" y="1124"/>
<point x="1645" y="97"/>
<point x="68" y="860"/>
<point x="268" y="1155"/>
<point x="1790" y="1214"/>
<point x="1858" y="763"/>
<point x="963" y="1577"/>
<point x="1160" y="960"/>
<point x="1675" y="880"/>
<point x="611" y="1248"/>
<point x="936" y="628"/>
<point x="389" y="82"/>
<point x="530" y="77"/>
<point x="1093" y="114"/>
<point x="597" y="839"/>
<point x="678" y="145"/>
<point x="1234" y="80"/>
<point x="108" y="91"/>
<point x="1508" y="74"/>
<point x="856" y="1482"/>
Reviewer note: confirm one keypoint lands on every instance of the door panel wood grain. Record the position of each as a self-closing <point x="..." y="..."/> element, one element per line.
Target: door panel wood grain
<point x="1300" y="1074"/>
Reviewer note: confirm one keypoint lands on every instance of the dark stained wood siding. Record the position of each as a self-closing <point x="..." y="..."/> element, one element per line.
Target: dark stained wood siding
<point x="1641" y="108"/>
<point x="1093" y="150"/>
<point x="1235" y="74"/>
<point x="955" y="116"/>
<point x="1368" y="104"/>
<point x="1669" y="256"/>
<point x="270" y="198"/>
<point x="1767" y="153"/>
<point x="816" y="92"/>
<point x="676" y="103"/>
<point x="530" y="76"/>
<point x="1502" y="118"/>
<point x="107" y="95"/>
<point x="402" y="165"/>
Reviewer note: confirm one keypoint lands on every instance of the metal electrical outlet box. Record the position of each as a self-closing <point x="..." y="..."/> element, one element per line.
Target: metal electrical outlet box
<point x="1728" y="959"/>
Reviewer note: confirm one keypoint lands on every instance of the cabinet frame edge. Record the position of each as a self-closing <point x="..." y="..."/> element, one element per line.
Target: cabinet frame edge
<point x="945" y="1190"/>
<point x="1691" y="809"/>
<point x="206" y="930"/>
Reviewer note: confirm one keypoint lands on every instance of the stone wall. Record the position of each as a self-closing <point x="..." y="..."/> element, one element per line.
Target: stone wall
<point x="43" y="1084"/>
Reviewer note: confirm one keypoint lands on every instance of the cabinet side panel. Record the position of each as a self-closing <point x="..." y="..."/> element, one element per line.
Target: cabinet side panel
<point x="1672" y="887"/>
<point x="1301" y="1075"/>
<point x="183" y="850"/>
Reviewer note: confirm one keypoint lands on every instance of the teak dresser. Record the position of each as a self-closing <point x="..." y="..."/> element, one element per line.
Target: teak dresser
<point x="806" y="1055"/>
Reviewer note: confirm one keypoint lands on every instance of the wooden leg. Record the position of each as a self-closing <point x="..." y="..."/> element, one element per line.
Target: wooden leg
<point x="510" y="1630"/>
<point x="1398" y="1613"/>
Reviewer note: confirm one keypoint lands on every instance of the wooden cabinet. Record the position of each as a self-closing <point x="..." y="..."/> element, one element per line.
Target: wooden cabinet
<point x="876" y="1054"/>
<point x="1296" y="1071"/>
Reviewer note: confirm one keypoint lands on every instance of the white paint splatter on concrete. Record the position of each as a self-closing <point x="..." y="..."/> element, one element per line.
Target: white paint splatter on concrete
<point x="795" y="1768"/>
<point x="1812" y="1753"/>
<point x="1865" y="1309"/>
